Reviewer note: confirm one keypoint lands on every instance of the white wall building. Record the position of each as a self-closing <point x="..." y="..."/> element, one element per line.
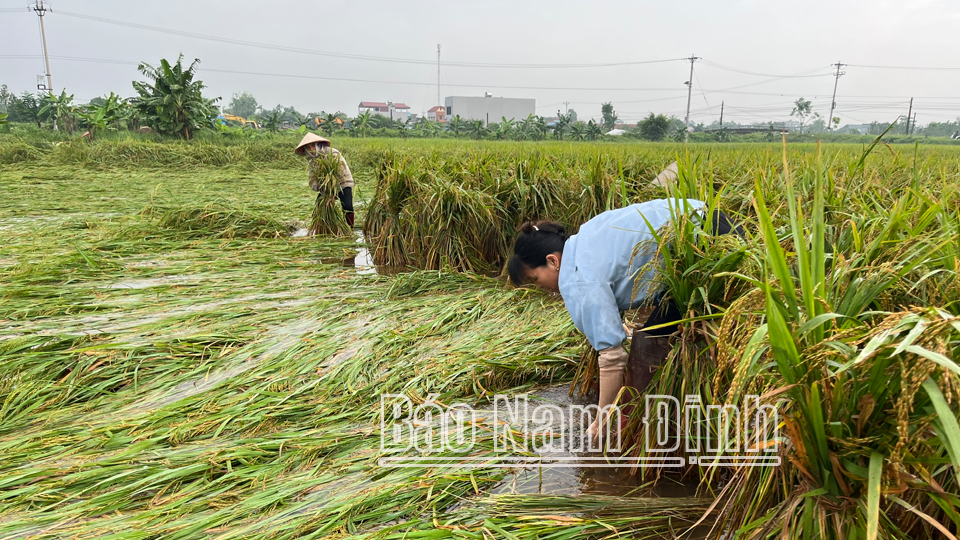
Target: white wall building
<point x="394" y="111"/>
<point x="489" y="108"/>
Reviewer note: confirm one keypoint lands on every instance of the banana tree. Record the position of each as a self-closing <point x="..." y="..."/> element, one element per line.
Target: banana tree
<point x="477" y="129"/>
<point x="362" y="123"/>
<point x="594" y="130"/>
<point x="455" y="125"/>
<point x="578" y="131"/>
<point x="505" y="128"/>
<point x="171" y="101"/>
<point x="62" y="109"/>
<point x="96" y="120"/>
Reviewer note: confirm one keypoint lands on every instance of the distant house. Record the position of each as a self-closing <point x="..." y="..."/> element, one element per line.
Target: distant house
<point x="858" y="129"/>
<point x="393" y="111"/>
<point x="488" y="108"/>
<point x="436" y="114"/>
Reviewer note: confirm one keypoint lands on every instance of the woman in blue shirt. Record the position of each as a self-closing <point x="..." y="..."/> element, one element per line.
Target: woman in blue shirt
<point x="606" y="268"/>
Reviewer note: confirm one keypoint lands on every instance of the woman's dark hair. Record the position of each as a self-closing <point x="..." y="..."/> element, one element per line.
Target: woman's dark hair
<point x="536" y="240"/>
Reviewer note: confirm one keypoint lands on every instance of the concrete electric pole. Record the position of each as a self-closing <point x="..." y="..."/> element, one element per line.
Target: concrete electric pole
<point x="689" y="83"/>
<point x="909" y="116"/>
<point x="833" y="102"/>
<point x="41" y="10"/>
<point x="438" y="76"/>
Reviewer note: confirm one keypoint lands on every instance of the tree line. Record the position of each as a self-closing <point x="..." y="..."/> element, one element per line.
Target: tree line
<point x="171" y="102"/>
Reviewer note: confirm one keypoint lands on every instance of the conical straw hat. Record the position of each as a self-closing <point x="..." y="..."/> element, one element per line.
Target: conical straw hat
<point x="310" y="138"/>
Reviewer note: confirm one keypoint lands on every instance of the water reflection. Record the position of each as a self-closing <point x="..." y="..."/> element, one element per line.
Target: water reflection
<point x="617" y="482"/>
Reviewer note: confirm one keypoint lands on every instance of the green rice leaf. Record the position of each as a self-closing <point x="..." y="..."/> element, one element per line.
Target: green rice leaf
<point x="935" y="357"/>
<point x="950" y="429"/>
<point x="873" y="495"/>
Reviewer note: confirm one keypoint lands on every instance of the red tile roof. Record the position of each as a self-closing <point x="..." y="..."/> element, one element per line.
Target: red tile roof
<point x="435" y="109"/>
<point x="400" y="106"/>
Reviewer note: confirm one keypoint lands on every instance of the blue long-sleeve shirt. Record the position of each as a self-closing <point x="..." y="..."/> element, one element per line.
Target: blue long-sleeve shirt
<point x="597" y="276"/>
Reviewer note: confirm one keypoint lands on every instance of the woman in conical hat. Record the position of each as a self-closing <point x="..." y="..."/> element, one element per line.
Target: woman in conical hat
<point x="314" y="146"/>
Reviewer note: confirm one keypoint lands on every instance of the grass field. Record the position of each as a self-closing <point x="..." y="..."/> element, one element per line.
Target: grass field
<point x="176" y="363"/>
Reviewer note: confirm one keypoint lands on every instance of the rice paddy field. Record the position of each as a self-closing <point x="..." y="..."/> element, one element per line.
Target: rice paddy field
<point x="179" y="359"/>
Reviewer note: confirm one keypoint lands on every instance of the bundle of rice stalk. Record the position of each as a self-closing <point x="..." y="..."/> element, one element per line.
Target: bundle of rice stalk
<point x="328" y="217"/>
<point x="457" y="228"/>
<point x="383" y="227"/>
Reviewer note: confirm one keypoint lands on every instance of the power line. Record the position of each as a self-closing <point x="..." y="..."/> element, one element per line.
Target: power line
<point x="704" y="95"/>
<point x="729" y="90"/>
<point x="316" y="77"/>
<point x="354" y="56"/>
<point x="921" y="68"/>
<point x="735" y="70"/>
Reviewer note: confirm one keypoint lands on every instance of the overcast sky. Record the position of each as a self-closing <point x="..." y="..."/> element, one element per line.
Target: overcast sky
<point x="767" y="39"/>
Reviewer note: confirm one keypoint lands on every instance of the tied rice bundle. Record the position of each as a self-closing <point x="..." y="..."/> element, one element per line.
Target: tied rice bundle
<point x="327" y="217"/>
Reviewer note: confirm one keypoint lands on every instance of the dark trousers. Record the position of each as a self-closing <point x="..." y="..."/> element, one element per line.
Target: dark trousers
<point x="665" y="309"/>
<point x="346" y="198"/>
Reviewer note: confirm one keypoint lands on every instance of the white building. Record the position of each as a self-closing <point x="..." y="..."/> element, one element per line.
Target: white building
<point x="393" y="111"/>
<point x="489" y="108"/>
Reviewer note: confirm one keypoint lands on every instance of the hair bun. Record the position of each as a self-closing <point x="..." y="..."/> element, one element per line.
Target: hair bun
<point x="527" y="228"/>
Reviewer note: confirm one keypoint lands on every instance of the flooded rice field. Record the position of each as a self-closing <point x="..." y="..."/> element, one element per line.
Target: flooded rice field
<point x="187" y="385"/>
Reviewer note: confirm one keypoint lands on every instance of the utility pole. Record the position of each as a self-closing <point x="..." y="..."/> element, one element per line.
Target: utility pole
<point x="833" y="102"/>
<point x="686" y="120"/>
<point x="566" y="107"/>
<point x="438" y="76"/>
<point x="721" y="114"/>
<point x="41" y="10"/>
<point x="913" y="125"/>
<point x="909" y="115"/>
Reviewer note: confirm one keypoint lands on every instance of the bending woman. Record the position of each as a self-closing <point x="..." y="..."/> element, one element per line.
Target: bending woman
<point x="599" y="275"/>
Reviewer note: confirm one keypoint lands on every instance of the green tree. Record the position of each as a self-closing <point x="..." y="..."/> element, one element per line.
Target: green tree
<point x="106" y="116"/>
<point x="172" y="102"/>
<point x="25" y="108"/>
<point x="332" y="122"/>
<point x="362" y="123"/>
<point x="272" y="118"/>
<point x="62" y="109"/>
<point x="243" y="105"/>
<point x="594" y="131"/>
<point x="609" y="116"/>
<point x="578" y="131"/>
<point x="477" y="129"/>
<point x="505" y="129"/>
<point x="818" y="125"/>
<point x="455" y="125"/>
<point x="561" y="125"/>
<point x="654" y="127"/>
<point x="802" y="108"/>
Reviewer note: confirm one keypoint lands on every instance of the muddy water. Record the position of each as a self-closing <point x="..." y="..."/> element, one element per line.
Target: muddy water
<point x="362" y="261"/>
<point x="583" y="478"/>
